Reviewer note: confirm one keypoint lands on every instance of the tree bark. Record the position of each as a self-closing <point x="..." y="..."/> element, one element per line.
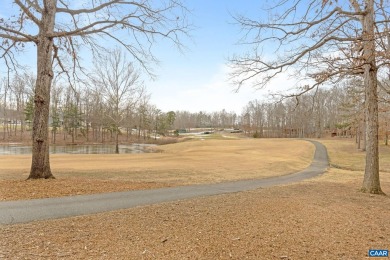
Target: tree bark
<point x="371" y="182"/>
<point x="40" y="166"/>
<point x="359" y="136"/>
<point x="117" y="141"/>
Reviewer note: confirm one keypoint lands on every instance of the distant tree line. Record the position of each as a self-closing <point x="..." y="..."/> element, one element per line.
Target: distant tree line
<point x="81" y="113"/>
<point x="105" y="113"/>
<point x="336" y="111"/>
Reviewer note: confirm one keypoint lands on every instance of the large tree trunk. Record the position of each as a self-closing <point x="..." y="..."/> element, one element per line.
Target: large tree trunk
<point x="40" y="166"/>
<point x="371" y="181"/>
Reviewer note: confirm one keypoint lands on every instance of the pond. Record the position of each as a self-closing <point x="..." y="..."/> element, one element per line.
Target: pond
<point x="15" y="149"/>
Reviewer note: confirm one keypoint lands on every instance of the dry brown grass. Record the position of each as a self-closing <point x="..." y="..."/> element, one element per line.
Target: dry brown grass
<point x="344" y="154"/>
<point x="191" y="162"/>
<point x="322" y="218"/>
<point x="347" y="162"/>
<point x="310" y="220"/>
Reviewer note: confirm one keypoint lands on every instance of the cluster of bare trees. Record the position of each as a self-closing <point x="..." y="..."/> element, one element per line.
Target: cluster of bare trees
<point x="15" y="94"/>
<point x="108" y="107"/>
<point x="336" y="111"/>
<point x="118" y="109"/>
<point x="114" y="105"/>
<point x="219" y="119"/>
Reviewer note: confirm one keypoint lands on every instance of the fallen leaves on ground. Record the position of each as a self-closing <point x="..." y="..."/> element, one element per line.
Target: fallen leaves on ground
<point x="36" y="189"/>
<point x="309" y="220"/>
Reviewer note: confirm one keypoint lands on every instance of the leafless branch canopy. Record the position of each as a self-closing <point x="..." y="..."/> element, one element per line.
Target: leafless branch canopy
<point x="317" y="40"/>
<point x="118" y="82"/>
<point x="94" y="24"/>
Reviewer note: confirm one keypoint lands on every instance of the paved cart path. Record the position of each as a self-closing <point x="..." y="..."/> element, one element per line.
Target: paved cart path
<point x="12" y="212"/>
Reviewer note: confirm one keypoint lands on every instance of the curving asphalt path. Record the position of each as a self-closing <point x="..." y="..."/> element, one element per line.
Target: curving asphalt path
<point x="12" y="212"/>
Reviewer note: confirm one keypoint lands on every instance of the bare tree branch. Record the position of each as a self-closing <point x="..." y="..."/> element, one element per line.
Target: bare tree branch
<point x="27" y="12"/>
<point x="24" y="37"/>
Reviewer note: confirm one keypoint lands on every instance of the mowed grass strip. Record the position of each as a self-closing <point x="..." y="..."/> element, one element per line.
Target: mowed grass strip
<point x="344" y="154"/>
<point x="348" y="163"/>
<point x="190" y="162"/>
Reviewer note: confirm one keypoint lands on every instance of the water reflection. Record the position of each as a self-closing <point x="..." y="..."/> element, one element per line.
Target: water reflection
<point x="79" y="149"/>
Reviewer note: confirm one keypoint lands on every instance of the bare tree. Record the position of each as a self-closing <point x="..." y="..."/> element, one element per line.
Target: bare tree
<point x="55" y="110"/>
<point x="3" y="103"/>
<point x="119" y="84"/>
<point x="325" y="41"/>
<point x="20" y="87"/>
<point x="144" y="119"/>
<point x="60" y="29"/>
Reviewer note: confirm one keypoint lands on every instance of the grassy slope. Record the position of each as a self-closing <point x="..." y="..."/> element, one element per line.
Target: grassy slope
<point x="197" y="161"/>
<point x="190" y="162"/>
<point x="347" y="162"/>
